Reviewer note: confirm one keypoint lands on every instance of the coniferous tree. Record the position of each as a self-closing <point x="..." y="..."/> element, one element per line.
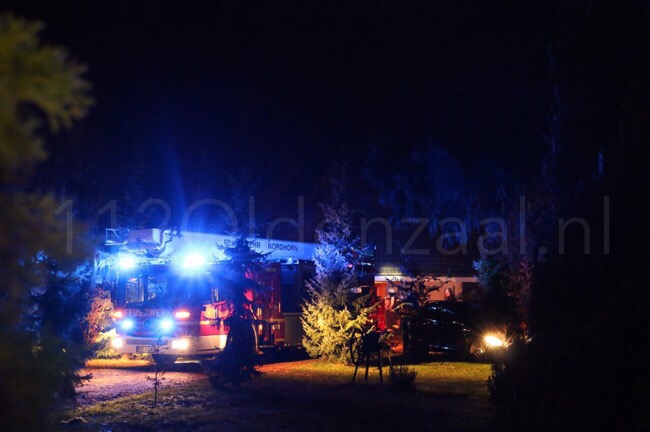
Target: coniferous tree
<point x="585" y="292"/>
<point x="237" y="286"/>
<point x="334" y="307"/>
<point x="42" y="295"/>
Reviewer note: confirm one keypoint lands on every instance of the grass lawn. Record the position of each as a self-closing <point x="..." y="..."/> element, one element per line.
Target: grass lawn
<point x="308" y="395"/>
<point x="122" y="362"/>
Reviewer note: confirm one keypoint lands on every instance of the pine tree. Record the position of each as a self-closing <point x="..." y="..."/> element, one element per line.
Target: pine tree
<point x="334" y="309"/>
<point x="42" y="295"/>
<point x="236" y="281"/>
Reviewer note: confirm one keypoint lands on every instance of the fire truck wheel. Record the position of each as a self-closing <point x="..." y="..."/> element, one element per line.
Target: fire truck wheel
<point x="163" y="360"/>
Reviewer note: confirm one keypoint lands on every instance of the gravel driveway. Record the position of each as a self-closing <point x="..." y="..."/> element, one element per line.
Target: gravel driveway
<point x="107" y="384"/>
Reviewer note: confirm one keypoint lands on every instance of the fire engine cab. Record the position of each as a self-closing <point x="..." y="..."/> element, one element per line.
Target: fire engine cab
<point x="166" y="296"/>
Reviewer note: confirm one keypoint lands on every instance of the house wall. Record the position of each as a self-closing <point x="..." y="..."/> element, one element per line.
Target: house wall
<point x="384" y="283"/>
<point x="387" y="288"/>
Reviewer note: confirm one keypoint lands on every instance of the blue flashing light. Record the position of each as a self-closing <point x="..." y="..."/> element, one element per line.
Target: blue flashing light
<point x="166" y="324"/>
<point x="127" y="262"/>
<point x="127" y="324"/>
<point x="194" y="260"/>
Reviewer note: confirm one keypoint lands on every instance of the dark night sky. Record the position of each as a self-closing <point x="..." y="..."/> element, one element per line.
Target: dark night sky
<point x="188" y="92"/>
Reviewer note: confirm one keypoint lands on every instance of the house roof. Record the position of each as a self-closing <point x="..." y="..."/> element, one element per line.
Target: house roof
<point x="410" y="248"/>
<point x="404" y="251"/>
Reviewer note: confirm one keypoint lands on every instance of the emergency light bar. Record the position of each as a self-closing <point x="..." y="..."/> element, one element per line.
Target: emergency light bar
<point x="194" y="260"/>
<point x="127" y="262"/>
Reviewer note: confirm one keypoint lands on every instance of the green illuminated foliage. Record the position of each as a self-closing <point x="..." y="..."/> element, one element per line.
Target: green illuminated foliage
<point x="333" y="309"/>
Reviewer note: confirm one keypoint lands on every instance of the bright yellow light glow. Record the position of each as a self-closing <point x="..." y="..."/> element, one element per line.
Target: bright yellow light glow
<point x="118" y="314"/>
<point x="493" y="341"/>
<point x="180" y="344"/>
<point x="222" y="341"/>
<point x="117" y="343"/>
<point x="182" y="315"/>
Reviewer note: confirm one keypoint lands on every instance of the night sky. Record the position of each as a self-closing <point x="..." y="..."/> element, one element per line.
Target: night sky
<point x="190" y="93"/>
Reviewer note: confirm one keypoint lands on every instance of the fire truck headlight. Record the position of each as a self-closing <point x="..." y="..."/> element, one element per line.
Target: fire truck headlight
<point x="166" y="324"/>
<point x="126" y="262"/>
<point x="127" y="324"/>
<point x="117" y="343"/>
<point x="193" y="261"/>
<point x="180" y="344"/>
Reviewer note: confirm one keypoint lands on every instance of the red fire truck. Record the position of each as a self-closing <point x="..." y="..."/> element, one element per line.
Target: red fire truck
<point x="166" y="299"/>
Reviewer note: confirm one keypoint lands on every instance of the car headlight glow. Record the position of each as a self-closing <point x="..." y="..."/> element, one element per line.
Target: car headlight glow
<point x="117" y="343"/>
<point x="493" y="341"/>
<point x="166" y="324"/>
<point x="180" y="344"/>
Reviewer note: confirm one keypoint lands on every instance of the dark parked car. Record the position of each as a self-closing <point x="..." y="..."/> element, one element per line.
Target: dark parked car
<point x="453" y="327"/>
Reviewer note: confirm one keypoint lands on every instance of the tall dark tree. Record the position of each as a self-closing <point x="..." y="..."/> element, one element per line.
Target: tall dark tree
<point x="573" y="146"/>
<point x="42" y="296"/>
<point x="585" y="291"/>
<point x="237" y="285"/>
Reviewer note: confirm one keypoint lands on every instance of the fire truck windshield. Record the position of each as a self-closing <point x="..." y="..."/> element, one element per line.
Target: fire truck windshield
<point x="168" y="290"/>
